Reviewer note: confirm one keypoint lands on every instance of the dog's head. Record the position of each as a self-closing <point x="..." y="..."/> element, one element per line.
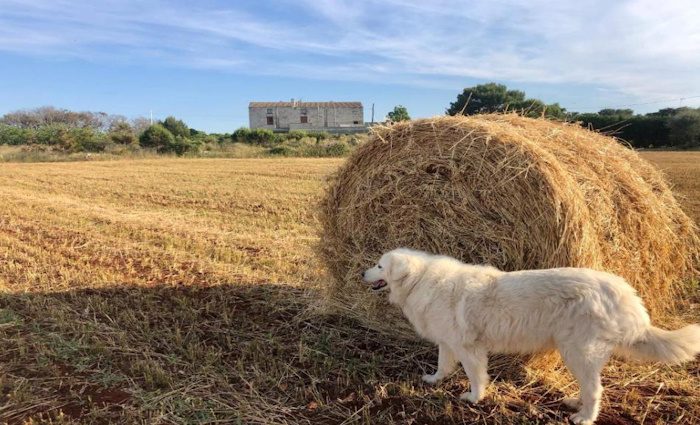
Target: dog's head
<point x="393" y="270"/>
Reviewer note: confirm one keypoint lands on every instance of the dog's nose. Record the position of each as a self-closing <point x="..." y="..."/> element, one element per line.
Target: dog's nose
<point x="363" y="275"/>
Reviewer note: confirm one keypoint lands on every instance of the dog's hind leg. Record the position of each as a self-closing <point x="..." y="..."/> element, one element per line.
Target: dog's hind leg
<point x="475" y="362"/>
<point x="446" y="365"/>
<point x="586" y="363"/>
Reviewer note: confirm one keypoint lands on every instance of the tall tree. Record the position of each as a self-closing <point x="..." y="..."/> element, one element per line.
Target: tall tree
<point x="400" y="113"/>
<point x="176" y="127"/>
<point x="483" y="98"/>
<point x="492" y="97"/>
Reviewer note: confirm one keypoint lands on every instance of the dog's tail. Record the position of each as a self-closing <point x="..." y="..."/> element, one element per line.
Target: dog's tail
<point x="659" y="345"/>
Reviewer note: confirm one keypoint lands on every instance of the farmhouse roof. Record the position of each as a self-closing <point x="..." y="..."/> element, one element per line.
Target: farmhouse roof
<point x="306" y="104"/>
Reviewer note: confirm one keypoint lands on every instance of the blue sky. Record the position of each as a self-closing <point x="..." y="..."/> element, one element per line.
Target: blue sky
<point x="203" y="61"/>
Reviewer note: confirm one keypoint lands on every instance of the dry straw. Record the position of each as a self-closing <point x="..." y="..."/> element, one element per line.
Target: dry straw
<point x="514" y="192"/>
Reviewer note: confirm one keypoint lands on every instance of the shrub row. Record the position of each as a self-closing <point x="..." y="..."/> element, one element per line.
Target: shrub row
<point x="262" y="136"/>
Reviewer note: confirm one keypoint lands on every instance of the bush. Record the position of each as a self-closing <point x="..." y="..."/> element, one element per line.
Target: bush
<point x="122" y="133"/>
<point x="87" y="140"/>
<point x="181" y="145"/>
<point x="312" y="151"/>
<point x="241" y="135"/>
<point x="337" y="149"/>
<point x="297" y="134"/>
<point x="224" y="138"/>
<point x="280" y="138"/>
<point x="319" y="135"/>
<point x="10" y="135"/>
<point x="281" y="150"/>
<point x="157" y="137"/>
<point x="52" y="135"/>
<point x="261" y="136"/>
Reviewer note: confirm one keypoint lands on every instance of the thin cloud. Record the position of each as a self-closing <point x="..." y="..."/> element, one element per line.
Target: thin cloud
<point x="639" y="48"/>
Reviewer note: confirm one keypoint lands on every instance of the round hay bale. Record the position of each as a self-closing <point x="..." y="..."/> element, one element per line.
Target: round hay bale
<point x="513" y="192"/>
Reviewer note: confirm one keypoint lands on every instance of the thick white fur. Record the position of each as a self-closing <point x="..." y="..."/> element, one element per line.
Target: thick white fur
<point x="470" y="311"/>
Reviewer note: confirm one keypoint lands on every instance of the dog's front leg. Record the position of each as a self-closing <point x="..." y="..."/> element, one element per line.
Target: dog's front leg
<point x="446" y="365"/>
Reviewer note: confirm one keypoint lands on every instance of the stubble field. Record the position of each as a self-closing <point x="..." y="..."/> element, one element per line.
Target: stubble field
<point x="185" y="291"/>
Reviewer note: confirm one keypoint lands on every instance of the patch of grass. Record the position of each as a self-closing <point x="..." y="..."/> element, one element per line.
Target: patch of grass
<point x="8" y="317"/>
<point x="182" y="291"/>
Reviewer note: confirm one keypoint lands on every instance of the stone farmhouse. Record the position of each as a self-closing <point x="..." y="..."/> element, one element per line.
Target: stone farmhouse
<point x="333" y="117"/>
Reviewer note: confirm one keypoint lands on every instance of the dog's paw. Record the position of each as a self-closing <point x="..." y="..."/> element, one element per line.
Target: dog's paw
<point x="579" y="419"/>
<point x="470" y="397"/>
<point x="572" y="402"/>
<point x="431" y="379"/>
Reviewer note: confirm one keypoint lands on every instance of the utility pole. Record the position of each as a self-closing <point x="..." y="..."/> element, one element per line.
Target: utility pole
<point x="373" y="113"/>
<point x="151" y="116"/>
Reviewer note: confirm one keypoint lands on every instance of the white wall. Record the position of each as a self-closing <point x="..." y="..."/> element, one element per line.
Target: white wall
<point x="319" y="118"/>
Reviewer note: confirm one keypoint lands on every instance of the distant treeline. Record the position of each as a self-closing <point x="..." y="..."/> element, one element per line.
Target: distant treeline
<point x="65" y="131"/>
<point x="69" y="132"/>
<point x="671" y="127"/>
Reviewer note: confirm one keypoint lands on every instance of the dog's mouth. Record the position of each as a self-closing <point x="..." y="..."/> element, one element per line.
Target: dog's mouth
<point x="378" y="284"/>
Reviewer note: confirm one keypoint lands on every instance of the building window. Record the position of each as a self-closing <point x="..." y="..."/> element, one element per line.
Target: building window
<point x="270" y="120"/>
<point x="304" y="119"/>
<point x="355" y="122"/>
<point x="269" y="110"/>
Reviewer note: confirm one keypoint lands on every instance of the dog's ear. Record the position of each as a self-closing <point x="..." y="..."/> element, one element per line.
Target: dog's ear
<point x="399" y="266"/>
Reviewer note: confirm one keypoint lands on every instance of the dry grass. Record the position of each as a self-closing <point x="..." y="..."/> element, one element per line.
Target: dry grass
<point x="176" y="291"/>
<point x="683" y="170"/>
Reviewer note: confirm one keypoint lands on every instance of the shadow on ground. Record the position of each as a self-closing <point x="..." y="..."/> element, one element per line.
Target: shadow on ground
<point x="230" y="353"/>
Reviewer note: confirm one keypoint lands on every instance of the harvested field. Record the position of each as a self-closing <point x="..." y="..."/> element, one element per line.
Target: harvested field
<point x="180" y="291"/>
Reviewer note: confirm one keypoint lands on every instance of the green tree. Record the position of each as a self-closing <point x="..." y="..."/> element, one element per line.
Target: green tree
<point x="620" y="113"/>
<point x="669" y="112"/>
<point x="86" y="139"/>
<point x="492" y="97"/>
<point x="554" y="110"/>
<point x="535" y="108"/>
<point x="176" y="127"/>
<point x="157" y="137"/>
<point x="122" y="133"/>
<point x="483" y="98"/>
<point x="685" y="128"/>
<point x="400" y="113"/>
<point x="55" y="135"/>
<point x="11" y="135"/>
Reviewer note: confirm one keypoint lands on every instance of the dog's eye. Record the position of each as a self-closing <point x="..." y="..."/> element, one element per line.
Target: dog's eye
<point x="379" y="266"/>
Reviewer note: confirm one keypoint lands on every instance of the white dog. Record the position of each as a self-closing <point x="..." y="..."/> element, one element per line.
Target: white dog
<point x="470" y="311"/>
